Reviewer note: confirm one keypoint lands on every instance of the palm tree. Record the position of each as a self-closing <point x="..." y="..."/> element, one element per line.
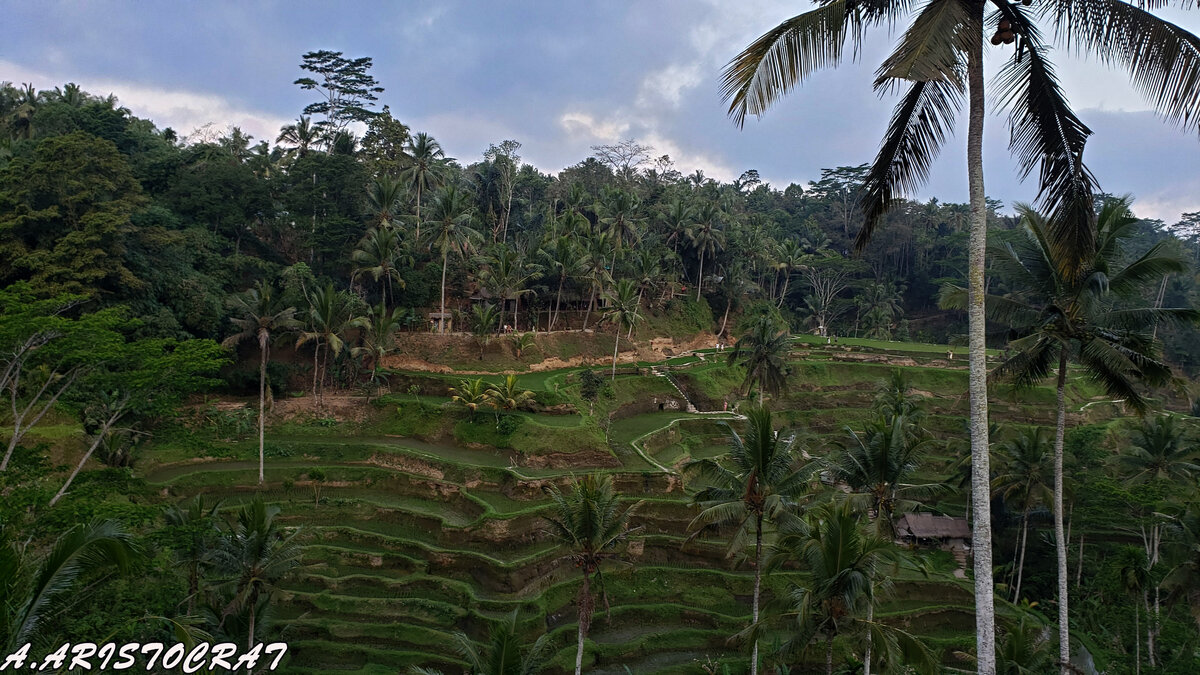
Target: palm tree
<point x="484" y="319"/>
<point x="594" y="261"/>
<point x="302" y="135"/>
<point x="844" y="566"/>
<point x="508" y="396"/>
<point x="1025" y="481"/>
<point x="378" y="330"/>
<point x="1134" y="575"/>
<point x="616" y="211"/>
<point x="471" y="394"/>
<point x="937" y="60"/>
<point x="328" y="317"/>
<point x="1183" y="580"/>
<point x="647" y="270"/>
<point x="762" y="350"/>
<point x="676" y="220"/>
<point x="34" y="592"/>
<point x="426" y="169"/>
<point x="791" y="258"/>
<point x="1024" y="650"/>
<point x="622" y="313"/>
<point x="260" y="316"/>
<point x="196" y="525"/>
<point x="380" y="254"/>
<point x="706" y="236"/>
<point x="385" y="198"/>
<point x="451" y="231"/>
<point x="563" y="259"/>
<point x="1065" y="307"/>
<point x="506" y="273"/>
<point x="756" y="483"/>
<point x="254" y="555"/>
<point x="590" y="524"/>
<point x="502" y="654"/>
<point x="1160" y="451"/>
<point x="880" y="462"/>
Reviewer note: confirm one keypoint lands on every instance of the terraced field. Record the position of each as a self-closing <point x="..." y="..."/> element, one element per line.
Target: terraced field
<point x="423" y="530"/>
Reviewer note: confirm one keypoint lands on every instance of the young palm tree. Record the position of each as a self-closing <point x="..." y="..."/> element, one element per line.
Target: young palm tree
<point x="254" y="556"/>
<point x="380" y="254"/>
<point x="260" y="317"/>
<point x="484" y="320"/>
<point x="759" y="482"/>
<point x="1161" y="451"/>
<point x="508" y="396"/>
<point x="707" y="236"/>
<point x="589" y="522"/>
<point x="426" y="170"/>
<point x="879" y="463"/>
<point x="1067" y="305"/>
<point x="522" y="342"/>
<point x="938" y="59"/>
<point x="502" y="653"/>
<point x="762" y="351"/>
<point x="34" y="592"/>
<point x="471" y="394"/>
<point x="451" y="231"/>
<point x="622" y="313"/>
<point x="1025" y="481"/>
<point x="844" y="566"/>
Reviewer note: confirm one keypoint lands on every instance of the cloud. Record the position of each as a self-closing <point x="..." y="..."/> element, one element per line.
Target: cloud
<point x="183" y="110"/>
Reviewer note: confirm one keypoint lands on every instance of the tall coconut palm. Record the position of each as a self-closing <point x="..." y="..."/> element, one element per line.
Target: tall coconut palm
<point x="385" y="199"/>
<point x="791" y="258"/>
<point x="588" y="521"/>
<point x="501" y="654"/>
<point x="327" y="318"/>
<point x="1074" y="300"/>
<point x="426" y="169"/>
<point x="596" y="268"/>
<point x="562" y="258"/>
<point x="1160" y="451"/>
<point x="1025" y="481"/>
<point x="762" y="350"/>
<point x="451" y="221"/>
<point x="260" y="317"/>
<point x="380" y="254"/>
<point x="937" y="60"/>
<point x="34" y="592"/>
<point x="507" y="272"/>
<point x="707" y="236"/>
<point x="760" y="481"/>
<point x="301" y="135"/>
<point x="253" y="557"/>
<point x="622" y="312"/>
<point x="617" y="211"/>
<point x="676" y="220"/>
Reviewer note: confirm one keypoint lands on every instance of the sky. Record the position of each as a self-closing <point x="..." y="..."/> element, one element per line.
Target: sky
<point x="560" y="77"/>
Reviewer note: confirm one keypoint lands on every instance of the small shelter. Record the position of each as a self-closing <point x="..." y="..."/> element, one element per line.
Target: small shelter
<point x="928" y="529"/>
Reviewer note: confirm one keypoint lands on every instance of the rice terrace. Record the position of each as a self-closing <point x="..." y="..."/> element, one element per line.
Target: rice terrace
<point x="288" y="388"/>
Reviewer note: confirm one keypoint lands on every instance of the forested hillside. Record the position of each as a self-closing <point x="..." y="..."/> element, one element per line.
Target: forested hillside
<point x="337" y="389"/>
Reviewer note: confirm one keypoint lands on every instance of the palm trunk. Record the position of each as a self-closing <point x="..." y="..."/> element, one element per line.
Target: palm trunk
<point x="316" y="368"/>
<point x="516" y="312"/>
<point x="418" y="210"/>
<point x="584" y="620"/>
<point x="1060" y="544"/>
<point x="442" y="318"/>
<point x="591" y="303"/>
<point x="783" y="293"/>
<point x="1137" y="639"/>
<point x="867" y="651"/>
<point x="557" y="301"/>
<point x="1079" y="568"/>
<point x="1149" y="627"/>
<point x="725" y="319"/>
<point x="829" y="653"/>
<point x="250" y="637"/>
<point x="757" y="589"/>
<point x="262" y="405"/>
<point x="616" y="343"/>
<point x="1021" y="562"/>
<point x="700" y="283"/>
<point x="981" y="539"/>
